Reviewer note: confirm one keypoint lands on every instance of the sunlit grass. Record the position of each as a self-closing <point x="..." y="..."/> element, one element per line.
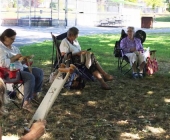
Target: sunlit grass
<point x="13" y="137"/>
<point x="155" y="131"/>
<point x="102" y="46"/>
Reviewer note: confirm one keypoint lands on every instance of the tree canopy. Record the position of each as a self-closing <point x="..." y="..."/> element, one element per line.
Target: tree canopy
<point x="154" y="3"/>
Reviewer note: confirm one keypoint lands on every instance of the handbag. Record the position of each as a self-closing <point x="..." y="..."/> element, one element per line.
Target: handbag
<point x="151" y="65"/>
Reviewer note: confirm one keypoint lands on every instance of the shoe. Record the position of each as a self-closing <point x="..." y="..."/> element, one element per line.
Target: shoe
<point x="135" y="76"/>
<point x="140" y="75"/>
<point x="36" y="96"/>
<point x="108" y="77"/>
<point x="28" y="107"/>
<point x="105" y="87"/>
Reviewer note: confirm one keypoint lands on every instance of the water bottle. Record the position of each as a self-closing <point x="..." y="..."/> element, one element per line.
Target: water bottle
<point x="11" y="67"/>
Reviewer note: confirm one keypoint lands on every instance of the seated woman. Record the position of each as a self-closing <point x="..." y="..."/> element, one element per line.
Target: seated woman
<point x="37" y="129"/>
<point x="70" y="44"/>
<point x="133" y="49"/>
<point x="11" y="54"/>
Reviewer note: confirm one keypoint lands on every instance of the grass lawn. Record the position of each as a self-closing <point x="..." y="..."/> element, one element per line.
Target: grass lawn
<point x="163" y="18"/>
<point x="133" y="109"/>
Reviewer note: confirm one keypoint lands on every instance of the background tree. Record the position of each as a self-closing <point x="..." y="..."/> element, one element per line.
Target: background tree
<point x="168" y="5"/>
<point x="134" y="1"/>
<point x="154" y="3"/>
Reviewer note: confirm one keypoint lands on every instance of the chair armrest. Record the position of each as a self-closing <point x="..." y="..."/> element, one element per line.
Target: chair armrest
<point x="4" y="72"/>
<point x="89" y="49"/>
<point x="152" y="52"/>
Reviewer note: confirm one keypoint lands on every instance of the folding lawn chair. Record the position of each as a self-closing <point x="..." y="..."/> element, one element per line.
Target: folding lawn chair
<point x="123" y="60"/>
<point x="16" y="84"/>
<point x="56" y="45"/>
<point x="81" y="68"/>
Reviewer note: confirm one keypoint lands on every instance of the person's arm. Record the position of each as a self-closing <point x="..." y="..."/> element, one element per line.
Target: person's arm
<point x="123" y="46"/>
<point x="139" y="45"/>
<point x="5" y="61"/>
<point x="64" y="48"/>
<point x="15" y="58"/>
<point x="36" y="131"/>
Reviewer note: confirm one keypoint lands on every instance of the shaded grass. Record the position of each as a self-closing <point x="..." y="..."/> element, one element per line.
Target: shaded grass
<point x="129" y="111"/>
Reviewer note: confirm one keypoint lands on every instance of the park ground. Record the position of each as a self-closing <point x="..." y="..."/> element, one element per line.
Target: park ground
<point x="132" y="110"/>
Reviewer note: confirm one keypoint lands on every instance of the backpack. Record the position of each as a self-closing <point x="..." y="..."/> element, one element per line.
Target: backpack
<point x="75" y="81"/>
<point x="117" y="51"/>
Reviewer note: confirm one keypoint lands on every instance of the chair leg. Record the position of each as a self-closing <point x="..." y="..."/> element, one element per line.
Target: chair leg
<point x="16" y="88"/>
<point x="119" y="63"/>
<point x="15" y="104"/>
<point x="122" y="66"/>
<point x="35" y="101"/>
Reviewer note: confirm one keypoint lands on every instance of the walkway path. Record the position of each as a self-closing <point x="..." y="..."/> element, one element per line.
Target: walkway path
<point x="26" y="35"/>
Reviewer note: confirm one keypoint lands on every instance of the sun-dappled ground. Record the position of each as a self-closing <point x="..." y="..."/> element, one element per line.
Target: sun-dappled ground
<point x="133" y="109"/>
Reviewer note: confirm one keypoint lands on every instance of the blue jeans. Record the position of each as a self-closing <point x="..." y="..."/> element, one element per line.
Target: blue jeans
<point x="32" y="81"/>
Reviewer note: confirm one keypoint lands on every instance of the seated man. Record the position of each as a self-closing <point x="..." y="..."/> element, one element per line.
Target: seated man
<point x="37" y="129"/>
<point x="133" y="49"/>
<point x="70" y="44"/>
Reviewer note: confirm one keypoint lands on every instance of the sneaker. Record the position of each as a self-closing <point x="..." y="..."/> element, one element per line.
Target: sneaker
<point x="135" y="75"/>
<point x="140" y="75"/>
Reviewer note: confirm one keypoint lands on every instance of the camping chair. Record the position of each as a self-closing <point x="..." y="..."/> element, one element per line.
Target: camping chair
<point x="16" y="84"/>
<point x="81" y="68"/>
<point x="56" y="45"/>
<point x="123" y="60"/>
<point x="4" y="73"/>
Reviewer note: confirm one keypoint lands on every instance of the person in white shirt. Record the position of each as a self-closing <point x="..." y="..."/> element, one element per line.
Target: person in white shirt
<point x="70" y="44"/>
<point x="11" y="54"/>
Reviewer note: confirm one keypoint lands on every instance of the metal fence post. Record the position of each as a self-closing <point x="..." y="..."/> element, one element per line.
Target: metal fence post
<point x="66" y="12"/>
<point x="30" y="13"/>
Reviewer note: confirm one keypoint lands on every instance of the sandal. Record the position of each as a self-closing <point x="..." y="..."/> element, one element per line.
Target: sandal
<point x="28" y="107"/>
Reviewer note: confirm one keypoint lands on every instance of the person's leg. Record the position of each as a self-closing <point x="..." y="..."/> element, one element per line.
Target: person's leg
<point x="133" y="59"/>
<point x="141" y="61"/>
<point x="38" y="74"/>
<point x="105" y="75"/>
<point x="98" y="76"/>
<point x="29" y="84"/>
